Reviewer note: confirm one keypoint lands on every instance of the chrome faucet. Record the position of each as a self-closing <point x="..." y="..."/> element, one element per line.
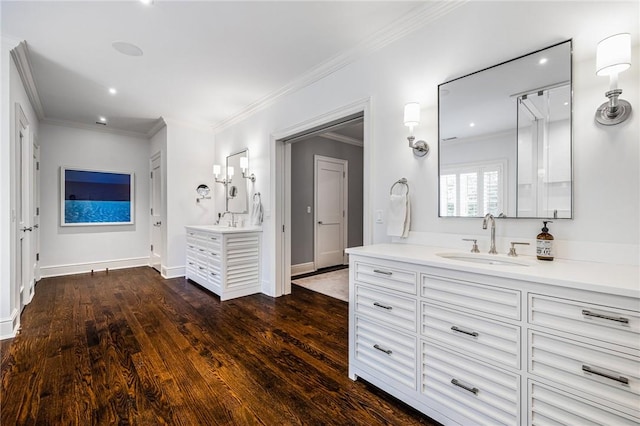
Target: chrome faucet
<point x="233" y="219"/>
<point x="489" y="216"/>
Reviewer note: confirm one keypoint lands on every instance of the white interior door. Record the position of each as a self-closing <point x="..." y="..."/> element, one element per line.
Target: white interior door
<point x="156" y="213"/>
<point x="35" y="214"/>
<point x="330" y="211"/>
<point x="22" y="213"/>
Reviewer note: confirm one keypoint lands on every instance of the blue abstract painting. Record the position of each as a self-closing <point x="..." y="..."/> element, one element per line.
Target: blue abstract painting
<point x="96" y="197"/>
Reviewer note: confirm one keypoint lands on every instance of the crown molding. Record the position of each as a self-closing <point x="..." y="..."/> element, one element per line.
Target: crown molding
<point x="20" y="55"/>
<point x="160" y="124"/>
<point x="341" y="138"/>
<point x="415" y="19"/>
<point x="94" y="128"/>
<point x="169" y="121"/>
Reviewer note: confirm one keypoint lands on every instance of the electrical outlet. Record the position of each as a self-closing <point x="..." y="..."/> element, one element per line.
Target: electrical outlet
<point x="308" y="209"/>
<point x="379" y="216"/>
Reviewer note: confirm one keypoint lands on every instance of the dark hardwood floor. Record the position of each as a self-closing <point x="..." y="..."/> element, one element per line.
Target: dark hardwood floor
<point x="130" y="348"/>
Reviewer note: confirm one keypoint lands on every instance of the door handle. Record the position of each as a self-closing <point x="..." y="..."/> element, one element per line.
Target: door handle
<point x="36" y="226"/>
<point x="319" y="222"/>
<point x="25" y="229"/>
<point x="158" y="223"/>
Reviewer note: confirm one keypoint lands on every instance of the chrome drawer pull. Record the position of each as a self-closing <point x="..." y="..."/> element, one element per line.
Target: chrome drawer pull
<point x="587" y="313"/>
<point x="191" y="263"/>
<point x="214" y="254"/>
<point x="380" y="305"/>
<point x="214" y="238"/>
<point x="467" y="388"/>
<point x="459" y="330"/>
<point x="214" y="274"/>
<point x="381" y="349"/>
<point x="619" y="379"/>
<point x="378" y="271"/>
<point x="201" y="268"/>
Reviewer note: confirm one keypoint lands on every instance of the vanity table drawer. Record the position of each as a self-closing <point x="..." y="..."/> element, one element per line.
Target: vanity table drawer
<point x="387" y="308"/>
<point x="392" y="278"/>
<point x="496" y="342"/>
<point x="548" y="404"/>
<point x="386" y="351"/>
<point x="481" y="393"/>
<point x="604" y="323"/>
<point x="472" y="296"/>
<point x="611" y="376"/>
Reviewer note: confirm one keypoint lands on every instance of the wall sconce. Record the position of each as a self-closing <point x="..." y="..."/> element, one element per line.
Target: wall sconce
<point x="216" y="172"/>
<point x="244" y="165"/>
<point x="412" y="119"/>
<point x="613" y="57"/>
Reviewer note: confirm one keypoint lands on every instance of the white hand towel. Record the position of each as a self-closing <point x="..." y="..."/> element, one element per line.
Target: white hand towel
<point x="256" y="210"/>
<point x="407" y="221"/>
<point x="397" y="215"/>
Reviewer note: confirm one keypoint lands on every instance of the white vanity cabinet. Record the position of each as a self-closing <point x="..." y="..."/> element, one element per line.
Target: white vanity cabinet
<point x="473" y="344"/>
<point x="225" y="261"/>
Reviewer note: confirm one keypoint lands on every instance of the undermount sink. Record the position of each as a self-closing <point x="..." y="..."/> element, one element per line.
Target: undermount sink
<point x="487" y="259"/>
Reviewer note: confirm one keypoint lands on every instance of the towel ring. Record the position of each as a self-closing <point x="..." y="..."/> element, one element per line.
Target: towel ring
<point x="402" y="181"/>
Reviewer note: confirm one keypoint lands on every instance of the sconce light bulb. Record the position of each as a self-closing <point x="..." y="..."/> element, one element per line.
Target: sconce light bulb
<point x="216" y="170"/>
<point x="244" y="163"/>
<point x="230" y="171"/>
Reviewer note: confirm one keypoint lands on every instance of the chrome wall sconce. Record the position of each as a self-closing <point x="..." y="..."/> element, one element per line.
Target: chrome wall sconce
<point x="613" y="57"/>
<point x="216" y="173"/>
<point x="244" y="165"/>
<point x="411" y="120"/>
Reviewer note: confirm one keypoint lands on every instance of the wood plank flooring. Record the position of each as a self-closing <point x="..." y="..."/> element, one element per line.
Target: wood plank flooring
<point x="130" y="348"/>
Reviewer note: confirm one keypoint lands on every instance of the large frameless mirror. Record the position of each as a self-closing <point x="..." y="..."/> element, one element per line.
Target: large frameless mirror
<point x="505" y="139"/>
<point x="237" y="191"/>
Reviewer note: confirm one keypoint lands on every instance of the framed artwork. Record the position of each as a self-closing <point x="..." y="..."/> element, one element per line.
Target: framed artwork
<point x="95" y="197"/>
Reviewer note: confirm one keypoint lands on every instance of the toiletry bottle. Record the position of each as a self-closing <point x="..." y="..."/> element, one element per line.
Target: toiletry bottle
<point x="544" y="243"/>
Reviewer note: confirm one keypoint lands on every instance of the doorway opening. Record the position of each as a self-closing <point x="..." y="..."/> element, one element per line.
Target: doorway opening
<point x="326" y="204"/>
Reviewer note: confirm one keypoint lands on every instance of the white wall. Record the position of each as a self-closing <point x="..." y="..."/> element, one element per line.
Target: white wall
<point x="474" y="36"/>
<point x="73" y="249"/>
<point x="12" y="92"/>
<point x="189" y="161"/>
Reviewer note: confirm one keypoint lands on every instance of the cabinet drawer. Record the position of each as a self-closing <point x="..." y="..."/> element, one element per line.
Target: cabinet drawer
<point x="388" y="277"/>
<point x="481" y="393"/>
<point x="472" y="296"/>
<point x="550" y="406"/>
<point x="586" y="319"/>
<point x="493" y="341"/>
<point x="386" y="351"/>
<point x="608" y="375"/>
<point x="387" y="308"/>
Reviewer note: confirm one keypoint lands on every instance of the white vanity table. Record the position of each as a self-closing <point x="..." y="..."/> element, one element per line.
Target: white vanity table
<point x="224" y="260"/>
<point x="472" y="343"/>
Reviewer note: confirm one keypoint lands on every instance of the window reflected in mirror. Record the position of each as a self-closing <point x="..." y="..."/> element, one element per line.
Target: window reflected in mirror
<point x="505" y="139"/>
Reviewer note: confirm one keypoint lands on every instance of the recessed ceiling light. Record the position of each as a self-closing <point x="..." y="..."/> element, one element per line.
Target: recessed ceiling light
<point x="472" y="124"/>
<point x="566" y="103"/>
<point x="103" y="119"/>
<point x="543" y="61"/>
<point x="147" y="2"/>
<point x="112" y="90"/>
<point x="127" y="48"/>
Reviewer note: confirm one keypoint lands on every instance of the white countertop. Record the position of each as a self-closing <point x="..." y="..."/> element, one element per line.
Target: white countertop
<point x="622" y="280"/>
<point x="224" y="229"/>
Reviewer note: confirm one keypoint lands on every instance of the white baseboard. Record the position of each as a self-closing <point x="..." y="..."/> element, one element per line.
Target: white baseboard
<point x="302" y="268"/>
<point x="79" y="268"/>
<point x="9" y="326"/>
<point x="173" y="272"/>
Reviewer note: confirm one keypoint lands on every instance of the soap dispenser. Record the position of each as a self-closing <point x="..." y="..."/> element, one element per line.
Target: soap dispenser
<point x="544" y="243"/>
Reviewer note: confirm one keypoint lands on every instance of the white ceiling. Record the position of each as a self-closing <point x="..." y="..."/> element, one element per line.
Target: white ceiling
<point x="204" y="62"/>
